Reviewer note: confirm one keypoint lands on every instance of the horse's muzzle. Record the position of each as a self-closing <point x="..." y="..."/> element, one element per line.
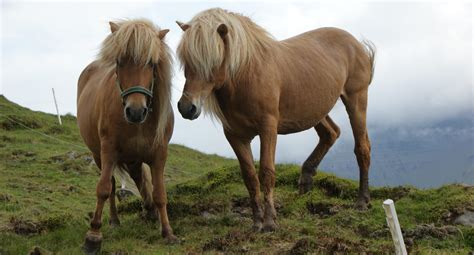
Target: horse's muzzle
<point x="135" y="115"/>
<point x="189" y="111"/>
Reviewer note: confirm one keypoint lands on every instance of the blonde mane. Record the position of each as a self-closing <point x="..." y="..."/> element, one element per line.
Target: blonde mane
<point x="139" y="40"/>
<point x="203" y="51"/>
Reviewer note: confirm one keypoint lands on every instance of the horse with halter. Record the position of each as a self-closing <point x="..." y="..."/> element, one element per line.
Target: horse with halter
<point x="125" y="118"/>
<point x="258" y="86"/>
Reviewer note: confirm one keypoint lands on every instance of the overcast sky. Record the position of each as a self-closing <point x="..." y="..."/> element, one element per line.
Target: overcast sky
<point x="423" y="71"/>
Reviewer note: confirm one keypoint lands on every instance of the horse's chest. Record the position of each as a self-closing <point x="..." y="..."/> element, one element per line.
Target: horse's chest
<point x="136" y="148"/>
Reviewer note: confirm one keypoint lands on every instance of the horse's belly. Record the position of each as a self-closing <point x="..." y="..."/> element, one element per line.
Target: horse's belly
<point x="292" y="126"/>
<point x="305" y="116"/>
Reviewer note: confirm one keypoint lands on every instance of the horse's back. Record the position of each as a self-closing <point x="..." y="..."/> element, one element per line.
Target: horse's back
<point x="342" y="47"/>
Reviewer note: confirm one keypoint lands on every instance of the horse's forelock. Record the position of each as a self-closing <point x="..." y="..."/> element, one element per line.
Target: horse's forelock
<point x="135" y="39"/>
<point x="202" y="49"/>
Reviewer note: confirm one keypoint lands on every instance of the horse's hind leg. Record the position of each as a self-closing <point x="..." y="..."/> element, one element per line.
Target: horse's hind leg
<point x="328" y="133"/>
<point x="145" y="187"/>
<point x="356" y="106"/>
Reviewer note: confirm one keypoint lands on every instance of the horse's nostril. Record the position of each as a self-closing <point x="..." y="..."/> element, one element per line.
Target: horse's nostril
<point x="127" y="111"/>
<point x="145" y="110"/>
<point x="193" y="109"/>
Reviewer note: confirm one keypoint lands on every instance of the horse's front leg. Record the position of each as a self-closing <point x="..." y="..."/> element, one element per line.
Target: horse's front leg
<point x="159" y="192"/>
<point x="243" y="151"/>
<point x="268" y="138"/>
<point x="104" y="188"/>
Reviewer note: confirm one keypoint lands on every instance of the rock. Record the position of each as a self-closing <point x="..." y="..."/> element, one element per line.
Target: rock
<point x="39" y="251"/>
<point x="206" y="215"/>
<point x="466" y="219"/>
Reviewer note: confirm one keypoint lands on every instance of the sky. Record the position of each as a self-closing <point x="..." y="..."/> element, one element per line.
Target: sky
<point x="423" y="71"/>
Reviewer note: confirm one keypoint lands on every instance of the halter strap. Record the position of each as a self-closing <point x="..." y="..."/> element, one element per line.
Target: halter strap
<point x="136" y="89"/>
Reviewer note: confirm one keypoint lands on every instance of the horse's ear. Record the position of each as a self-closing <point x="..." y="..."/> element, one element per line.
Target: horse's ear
<point x="113" y="26"/>
<point x="162" y="33"/>
<point x="182" y="25"/>
<point x="222" y="30"/>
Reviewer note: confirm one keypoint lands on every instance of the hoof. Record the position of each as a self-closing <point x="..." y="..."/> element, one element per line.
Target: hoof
<point x="305" y="188"/>
<point x="171" y="239"/>
<point x="114" y="223"/>
<point x="305" y="185"/>
<point x="257" y="227"/>
<point x="269" y="227"/>
<point x="150" y="216"/>
<point x="362" y="205"/>
<point x="92" y="243"/>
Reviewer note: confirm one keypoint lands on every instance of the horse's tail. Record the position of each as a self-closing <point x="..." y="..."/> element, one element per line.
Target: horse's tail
<point x="371" y="51"/>
<point x="121" y="174"/>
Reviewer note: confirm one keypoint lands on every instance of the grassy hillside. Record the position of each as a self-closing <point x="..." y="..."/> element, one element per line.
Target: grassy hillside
<point x="47" y="192"/>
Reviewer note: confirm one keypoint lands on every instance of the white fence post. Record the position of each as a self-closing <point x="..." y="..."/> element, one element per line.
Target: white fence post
<point x="394" y="225"/>
<point x="57" y="110"/>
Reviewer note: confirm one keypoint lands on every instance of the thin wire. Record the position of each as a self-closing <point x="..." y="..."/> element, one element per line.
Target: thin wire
<point x="43" y="134"/>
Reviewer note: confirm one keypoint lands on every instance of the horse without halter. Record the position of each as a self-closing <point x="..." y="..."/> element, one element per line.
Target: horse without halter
<point x="259" y="86"/>
<point x="125" y="118"/>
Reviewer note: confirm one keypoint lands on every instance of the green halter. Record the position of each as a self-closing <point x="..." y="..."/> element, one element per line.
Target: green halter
<point x="137" y="89"/>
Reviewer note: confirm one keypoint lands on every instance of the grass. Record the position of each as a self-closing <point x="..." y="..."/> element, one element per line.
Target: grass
<point x="47" y="191"/>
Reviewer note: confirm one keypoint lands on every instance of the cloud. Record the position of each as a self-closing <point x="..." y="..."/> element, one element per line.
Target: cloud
<point x="423" y="73"/>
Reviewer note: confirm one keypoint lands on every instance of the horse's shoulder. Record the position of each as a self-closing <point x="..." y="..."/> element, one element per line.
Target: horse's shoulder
<point x="91" y="68"/>
<point x="86" y="76"/>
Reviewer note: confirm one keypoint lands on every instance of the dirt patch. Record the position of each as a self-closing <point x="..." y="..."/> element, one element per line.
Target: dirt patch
<point x="338" y="246"/>
<point x="56" y="130"/>
<point x="430" y="230"/>
<point x="5" y="197"/>
<point x="394" y="193"/>
<point x="323" y="209"/>
<point x="130" y="206"/>
<point x="39" y="251"/>
<point x="335" y="187"/>
<point x="304" y="246"/>
<point x="241" y="206"/>
<point x="369" y="231"/>
<point x="327" y="246"/>
<point x="229" y="242"/>
<point x="22" y="153"/>
<point x="7" y="139"/>
<point x="72" y="161"/>
<point x="23" y="226"/>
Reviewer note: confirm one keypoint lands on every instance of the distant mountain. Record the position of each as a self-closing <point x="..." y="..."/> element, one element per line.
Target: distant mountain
<point x="427" y="156"/>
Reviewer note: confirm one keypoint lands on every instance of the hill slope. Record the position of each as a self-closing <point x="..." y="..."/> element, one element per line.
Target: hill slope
<point x="47" y="190"/>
